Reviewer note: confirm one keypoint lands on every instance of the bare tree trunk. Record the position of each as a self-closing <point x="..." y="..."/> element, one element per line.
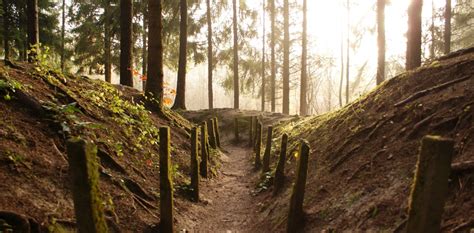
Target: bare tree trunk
<point x="432" y="30"/>
<point x="6" y="30"/>
<point x="154" y="85"/>
<point x="413" y="54"/>
<point x="144" y="40"/>
<point x="447" y="27"/>
<point x="236" y="56"/>
<point x="180" y="101"/>
<point x="342" y="70"/>
<point x="107" y="43"/>
<point x="348" y="51"/>
<point x="286" y="57"/>
<point x="63" y="29"/>
<point x="210" y="64"/>
<point x="263" y="58"/>
<point x="126" y="44"/>
<point x="304" y="71"/>
<point x="381" y="41"/>
<point x="273" y="62"/>
<point x="33" y="27"/>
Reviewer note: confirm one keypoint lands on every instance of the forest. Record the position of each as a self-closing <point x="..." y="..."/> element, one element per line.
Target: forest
<point x="236" y="116"/>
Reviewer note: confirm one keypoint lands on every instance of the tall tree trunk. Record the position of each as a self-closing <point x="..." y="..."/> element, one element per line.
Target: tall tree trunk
<point x="107" y="43"/>
<point x="63" y="31"/>
<point x="263" y="58"/>
<point x="304" y="69"/>
<point x="210" y="64"/>
<point x="447" y="27"/>
<point x="273" y="62"/>
<point x="348" y="49"/>
<point x="6" y="30"/>
<point x="154" y="86"/>
<point x="180" y="101"/>
<point x="381" y="41"/>
<point x="236" y="57"/>
<point x="413" y="54"/>
<point x="342" y="69"/>
<point x="126" y="43"/>
<point x="286" y="57"/>
<point x="432" y="30"/>
<point x="144" y="40"/>
<point x="33" y="27"/>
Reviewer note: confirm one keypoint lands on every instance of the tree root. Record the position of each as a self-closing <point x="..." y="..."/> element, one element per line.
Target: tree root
<point x="464" y="226"/>
<point x="435" y="88"/>
<point x="462" y="168"/>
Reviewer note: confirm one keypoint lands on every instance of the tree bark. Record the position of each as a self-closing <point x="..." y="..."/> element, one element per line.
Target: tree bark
<point x="32" y="27"/>
<point x="413" y="53"/>
<point x="263" y="58"/>
<point x="447" y="27"/>
<point x="6" y="30"/>
<point x="432" y="31"/>
<point x="144" y="40"/>
<point x="126" y="44"/>
<point x="304" y="69"/>
<point x="286" y="57"/>
<point x="107" y="43"/>
<point x="210" y="64"/>
<point x="273" y="62"/>
<point x="154" y="85"/>
<point x="180" y="101"/>
<point x="381" y="41"/>
<point x="342" y="70"/>
<point x="348" y="52"/>
<point x="63" y="31"/>
<point x="236" y="57"/>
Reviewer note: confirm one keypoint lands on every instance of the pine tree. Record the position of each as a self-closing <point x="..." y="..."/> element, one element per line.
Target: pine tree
<point x="286" y="57"/>
<point x="126" y="42"/>
<point x="210" y="64"/>
<point x="381" y="41"/>
<point x="304" y="69"/>
<point x="273" y="59"/>
<point x="236" y="56"/>
<point x="180" y="101"/>
<point x="6" y="30"/>
<point x="447" y="27"/>
<point x="413" y="53"/>
<point x="33" y="27"/>
<point x="263" y="58"/>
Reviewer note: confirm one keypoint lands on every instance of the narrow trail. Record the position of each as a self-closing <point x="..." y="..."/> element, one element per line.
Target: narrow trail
<point x="227" y="203"/>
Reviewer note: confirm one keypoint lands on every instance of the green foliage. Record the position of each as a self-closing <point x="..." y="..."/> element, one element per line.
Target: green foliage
<point x="8" y="86"/>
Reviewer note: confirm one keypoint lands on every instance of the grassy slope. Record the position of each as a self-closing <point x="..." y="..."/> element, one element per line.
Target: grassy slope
<point x="363" y="156"/>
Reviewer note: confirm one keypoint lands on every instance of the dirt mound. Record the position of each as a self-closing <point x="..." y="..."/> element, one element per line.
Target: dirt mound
<point x="40" y="109"/>
<point x="363" y="156"/>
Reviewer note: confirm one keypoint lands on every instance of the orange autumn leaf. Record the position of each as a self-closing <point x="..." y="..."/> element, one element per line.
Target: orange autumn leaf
<point x="167" y="101"/>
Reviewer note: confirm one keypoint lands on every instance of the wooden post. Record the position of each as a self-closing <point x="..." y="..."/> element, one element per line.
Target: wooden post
<point x="280" y="170"/>
<point x="251" y="132"/>
<point x="84" y="172"/>
<point x="254" y="136"/>
<point x="204" y="150"/>
<point x="268" y="149"/>
<point x="258" y="145"/>
<point x="430" y="185"/>
<point x="236" y="129"/>
<point x="212" y="133"/>
<point x="166" y="184"/>
<point x="216" y="129"/>
<point x="194" y="164"/>
<point x="296" y="214"/>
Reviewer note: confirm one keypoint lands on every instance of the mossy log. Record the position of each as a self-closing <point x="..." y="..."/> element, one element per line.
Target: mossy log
<point x="296" y="214"/>
<point x="204" y="151"/>
<point x="236" y="129"/>
<point x="212" y="133"/>
<point x="216" y="130"/>
<point x="194" y="164"/>
<point x="84" y="172"/>
<point x="280" y="169"/>
<point x="258" y="145"/>
<point x="430" y="185"/>
<point x="268" y="149"/>
<point x="166" y="184"/>
<point x="251" y="131"/>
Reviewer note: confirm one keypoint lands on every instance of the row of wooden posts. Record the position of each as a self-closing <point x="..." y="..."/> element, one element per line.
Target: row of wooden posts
<point x="429" y="189"/>
<point x="84" y="172"/>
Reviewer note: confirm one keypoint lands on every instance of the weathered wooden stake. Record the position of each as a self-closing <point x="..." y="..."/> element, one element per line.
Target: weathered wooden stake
<point x="166" y="184"/>
<point x="296" y="214"/>
<point x="430" y="185"/>
<point x="251" y="132"/>
<point x="236" y="129"/>
<point x="83" y="169"/>
<point x="204" y="150"/>
<point x="216" y="129"/>
<point x="255" y="126"/>
<point x="268" y="149"/>
<point x="212" y="133"/>
<point x="280" y="170"/>
<point x="194" y="164"/>
<point x="258" y="145"/>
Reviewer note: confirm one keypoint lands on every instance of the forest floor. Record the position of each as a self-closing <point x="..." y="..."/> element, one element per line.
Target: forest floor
<point x="227" y="201"/>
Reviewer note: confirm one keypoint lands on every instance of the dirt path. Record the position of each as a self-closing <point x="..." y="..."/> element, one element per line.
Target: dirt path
<point x="227" y="202"/>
